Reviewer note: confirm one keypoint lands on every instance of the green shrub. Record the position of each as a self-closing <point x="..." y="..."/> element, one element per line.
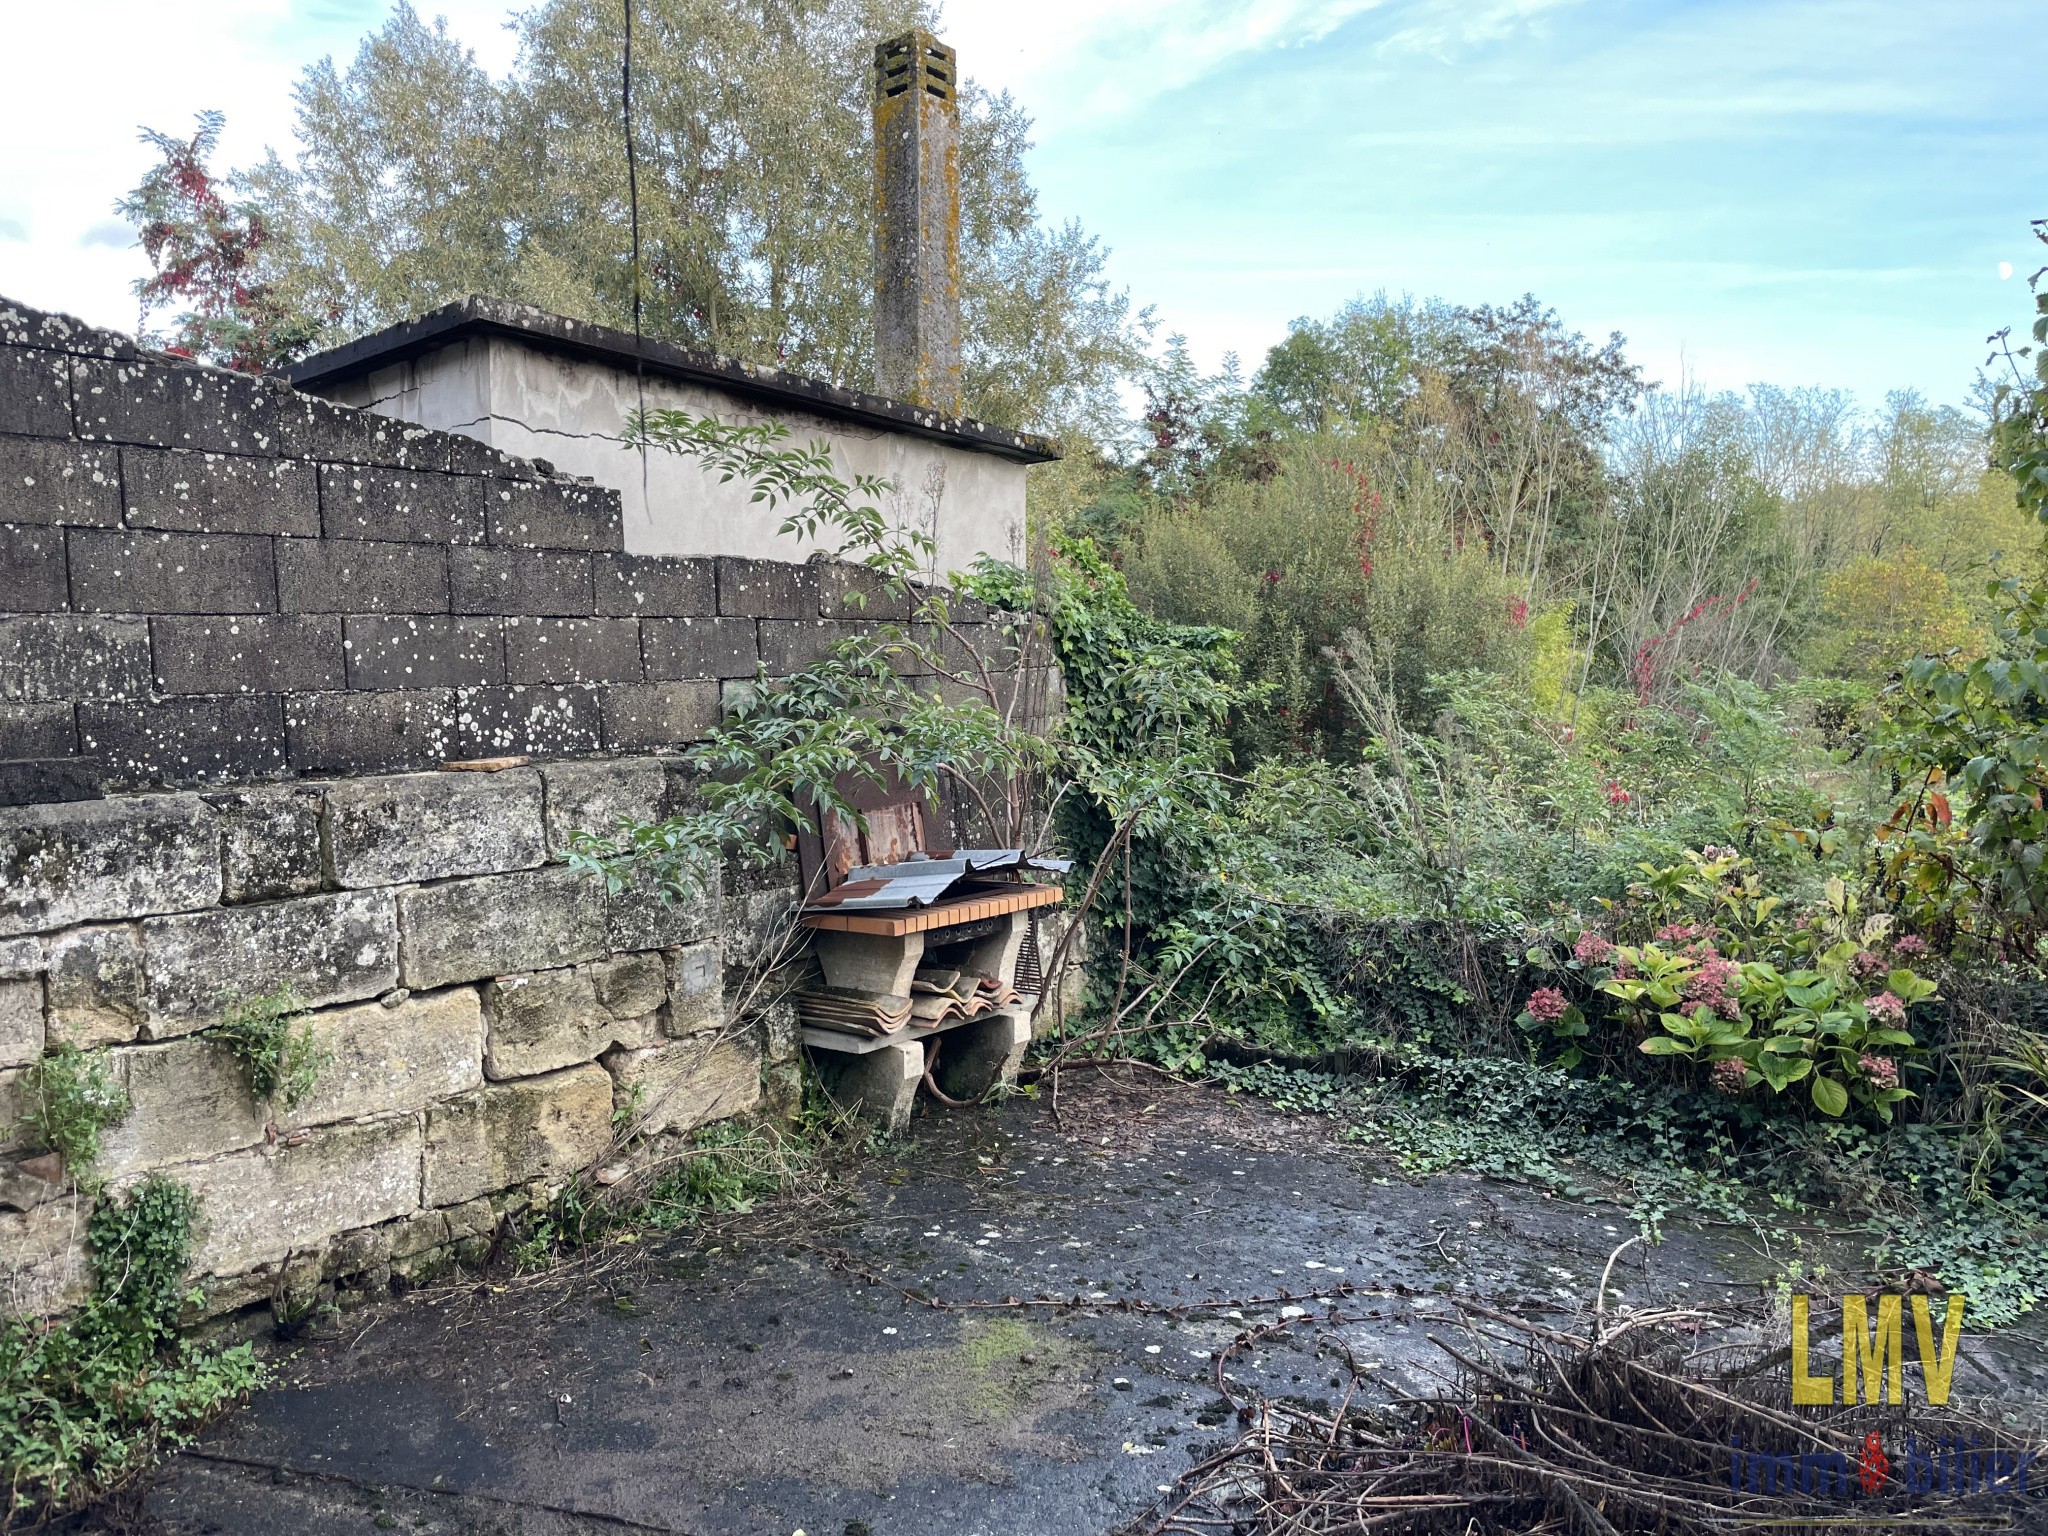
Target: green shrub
<point x="72" y="1097"/>
<point x="273" y="1040"/>
<point x="89" y="1402"/>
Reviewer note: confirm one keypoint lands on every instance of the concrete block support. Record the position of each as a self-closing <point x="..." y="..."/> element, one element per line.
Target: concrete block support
<point x="863" y="962"/>
<point x="976" y="1056"/>
<point x="879" y="1086"/>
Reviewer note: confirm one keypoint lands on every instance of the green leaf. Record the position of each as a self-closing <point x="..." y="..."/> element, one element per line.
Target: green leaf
<point x="1664" y="1045"/>
<point x="1829" y="1096"/>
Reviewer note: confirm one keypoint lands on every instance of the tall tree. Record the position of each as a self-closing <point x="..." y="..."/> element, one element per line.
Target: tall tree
<point x="421" y="178"/>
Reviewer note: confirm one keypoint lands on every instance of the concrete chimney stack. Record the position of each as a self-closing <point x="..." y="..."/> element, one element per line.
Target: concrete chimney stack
<point x="917" y="223"/>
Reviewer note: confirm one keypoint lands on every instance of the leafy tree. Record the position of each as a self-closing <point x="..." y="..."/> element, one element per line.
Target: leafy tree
<point x="205" y="250"/>
<point x="422" y="179"/>
<point x="1878" y="614"/>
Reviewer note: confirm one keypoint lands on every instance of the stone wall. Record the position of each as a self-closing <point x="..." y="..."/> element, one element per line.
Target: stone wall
<point x="483" y="1009"/>
<point x="210" y="578"/>
<point x="241" y="629"/>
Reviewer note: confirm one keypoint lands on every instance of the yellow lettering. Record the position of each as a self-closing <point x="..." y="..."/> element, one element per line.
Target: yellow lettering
<point x="1880" y="1357"/>
<point x="1937" y="1365"/>
<point x="1807" y="1391"/>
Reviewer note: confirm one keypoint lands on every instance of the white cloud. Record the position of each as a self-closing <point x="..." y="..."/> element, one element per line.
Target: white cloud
<point x="13" y="229"/>
<point x="113" y="234"/>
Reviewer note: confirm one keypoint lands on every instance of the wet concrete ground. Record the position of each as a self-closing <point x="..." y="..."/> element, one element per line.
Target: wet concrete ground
<point x="766" y="1389"/>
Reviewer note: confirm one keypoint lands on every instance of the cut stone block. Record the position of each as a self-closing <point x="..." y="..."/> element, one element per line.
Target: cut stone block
<point x="58" y="482"/>
<point x="536" y="1128"/>
<point x="187" y="1099"/>
<point x="44" y="1266"/>
<point x="332" y="949"/>
<point x="105" y="860"/>
<point x="255" y="653"/>
<point x="21" y="1021"/>
<point x="879" y="1086"/>
<point x="494" y="925"/>
<point x="683" y="1084"/>
<point x="270" y="843"/>
<point x="429" y="826"/>
<point x="552" y="1019"/>
<point x="596" y="797"/>
<point x="540" y="721"/>
<point x="757" y="927"/>
<point x="16" y="1135"/>
<point x="696" y="990"/>
<point x="261" y="1204"/>
<point x="97" y="987"/>
<point x="640" y="915"/>
<point x="401" y="1058"/>
<point x="423" y="651"/>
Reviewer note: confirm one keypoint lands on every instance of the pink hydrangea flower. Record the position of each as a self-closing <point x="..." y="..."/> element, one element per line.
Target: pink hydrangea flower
<point x="1882" y="1071"/>
<point x="1547" y="1004"/>
<point x="1868" y="964"/>
<point x="1592" y="947"/>
<point x="1885" y="1006"/>
<point x="1711" y="984"/>
<point x="1911" y="946"/>
<point x="1729" y="1077"/>
<point x="1677" y="933"/>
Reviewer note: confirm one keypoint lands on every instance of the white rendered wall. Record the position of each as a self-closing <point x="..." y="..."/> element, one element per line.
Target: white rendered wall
<point x="539" y="405"/>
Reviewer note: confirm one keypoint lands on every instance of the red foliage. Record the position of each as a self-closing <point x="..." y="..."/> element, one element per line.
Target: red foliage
<point x="1644" y="672"/>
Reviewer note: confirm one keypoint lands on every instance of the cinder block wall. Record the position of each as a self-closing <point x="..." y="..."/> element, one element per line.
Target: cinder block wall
<point x="240" y="628"/>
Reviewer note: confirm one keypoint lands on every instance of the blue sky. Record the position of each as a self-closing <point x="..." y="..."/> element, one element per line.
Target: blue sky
<point x="1800" y="191"/>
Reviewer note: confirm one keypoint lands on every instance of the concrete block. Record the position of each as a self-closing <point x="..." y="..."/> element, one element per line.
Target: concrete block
<point x="174" y="405"/>
<point x="21" y="326"/>
<point x="509" y="1133"/>
<point x="58" y="482"/>
<point x="217" y="493"/>
<point x="190" y="739"/>
<point x="312" y="428"/>
<point x="423" y="651"/>
<point x="44" y="1264"/>
<point x="49" y="657"/>
<point x="380" y="1059"/>
<point x="546" y="1020"/>
<point x="494" y="925"/>
<point x="657" y="717"/>
<point x="767" y="589"/>
<point x="867" y="962"/>
<point x="332" y="949"/>
<point x="106" y="860"/>
<point x="596" y="797"/>
<point x="33" y="578"/>
<point x="414" y="506"/>
<point x="682" y="1084"/>
<point x="572" y="650"/>
<point x="258" y="653"/>
<point x="696" y="989"/>
<point x="42" y="781"/>
<point x="21" y="1021"/>
<point x="430" y="826"/>
<point x="848" y="591"/>
<point x="187" y="1099"/>
<point x="560" y="720"/>
<point x="263" y="1203"/>
<point x="98" y="988"/>
<point x="555" y="514"/>
<point x="879" y="1086"/>
<point x="977" y="1056"/>
<point x="370" y="732"/>
<point x="653" y="586"/>
<point x="356" y="576"/>
<point x="782" y="1033"/>
<point x="790" y="645"/>
<point x="700" y="648"/>
<point x="114" y="571"/>
<point x="542" y="583"/>
<point x="270" y="842"/>
<point x="40" y="731"/>
<point x="35" y="392"/>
